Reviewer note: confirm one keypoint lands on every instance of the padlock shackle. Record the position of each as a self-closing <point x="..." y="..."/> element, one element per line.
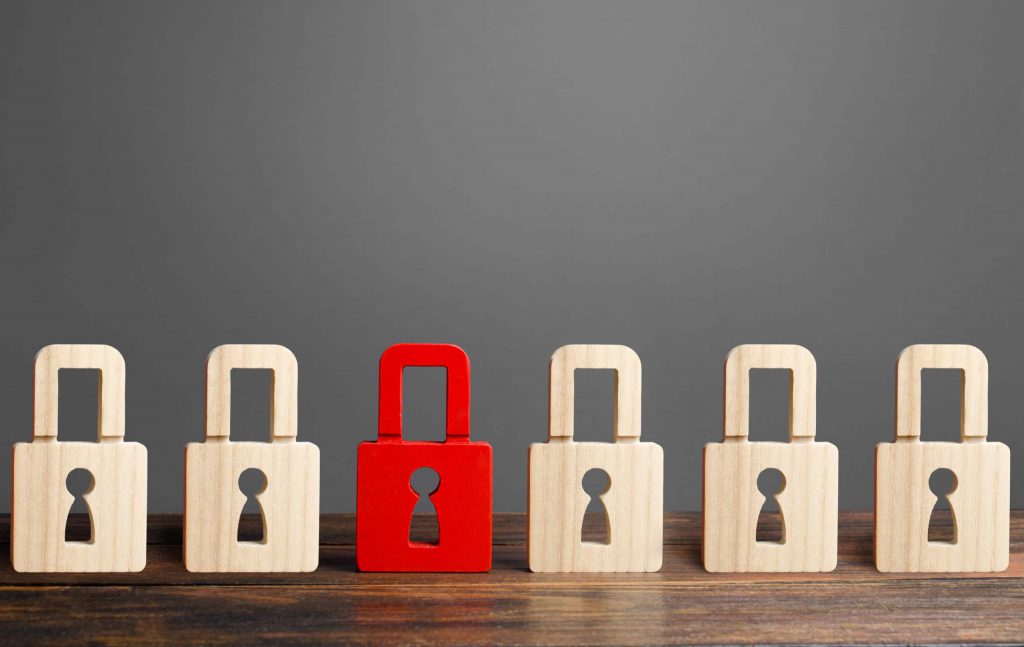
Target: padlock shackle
<point x="803" y="377"/>
<point x="392" y="364"/>
<point x="562" y="387"/>
<point x="974" y="387"/>
<point x="45" y="399"/>
<point x="284" y="387"/>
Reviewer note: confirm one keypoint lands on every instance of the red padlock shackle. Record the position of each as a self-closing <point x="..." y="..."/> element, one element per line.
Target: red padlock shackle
<point x="395" y="359"/>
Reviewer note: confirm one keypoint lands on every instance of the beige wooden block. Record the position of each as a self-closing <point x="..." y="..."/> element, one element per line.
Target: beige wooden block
<point x="40" y="501"/>
<point x="980" y="501"/>
<point x="291" y="500"/>
<point x="809" y="500"/>
<point x="557" y="501"/>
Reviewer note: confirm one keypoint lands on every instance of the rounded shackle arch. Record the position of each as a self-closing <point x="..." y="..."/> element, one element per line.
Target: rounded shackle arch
<point x="110" y="364"/>
<point x="562" y="387"/>
<point x="392" y="365"/>
<point x="974" y="387"/>
<point x="802" y="387"/>
<point x="284" y="387"/>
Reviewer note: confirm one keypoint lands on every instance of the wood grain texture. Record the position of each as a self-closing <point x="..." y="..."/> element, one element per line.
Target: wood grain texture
<point x="633" y="503"/>
<point x="562" y="387"/>
<point x="291" y="499"/>
<point x="980" y="500"/>
<point x="809" y="500"/>
<point x="40" y="500"/>
<point x="557" y="501"/>
<point x="509" y="605"/>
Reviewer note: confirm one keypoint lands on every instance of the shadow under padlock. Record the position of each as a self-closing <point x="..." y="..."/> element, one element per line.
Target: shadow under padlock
<point x="386" y="499"/>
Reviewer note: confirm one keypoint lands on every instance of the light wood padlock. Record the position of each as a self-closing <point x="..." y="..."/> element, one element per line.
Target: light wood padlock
<point x="290" y="502"/>
<point x="41" y="501"/>
<point x="557" y="501"/>
<point x="980" y="500"/>
<point x="809" y="500"/>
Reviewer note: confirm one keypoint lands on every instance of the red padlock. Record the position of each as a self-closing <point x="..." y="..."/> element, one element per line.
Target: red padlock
<point x="384" y="497"/>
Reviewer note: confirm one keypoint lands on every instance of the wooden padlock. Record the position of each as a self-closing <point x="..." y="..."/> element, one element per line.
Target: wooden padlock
<point x="980" y="501"/>
<point x="40" y="501"/>
<point x="809" y="501"/>
<point x="557" y="501"/>
<point x="290" y="502"/>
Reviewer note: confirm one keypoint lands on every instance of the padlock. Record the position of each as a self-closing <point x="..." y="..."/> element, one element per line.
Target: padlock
<point x="980" y="500"/>
<point x="290" y="500"/>
<point x="809" y="500"/>
<point x="40" y="501"/>
<point x="557" y="501"/>
<point x="384" y="497"/>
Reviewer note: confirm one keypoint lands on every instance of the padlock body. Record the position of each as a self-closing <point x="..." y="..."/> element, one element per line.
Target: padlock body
<point x="904" y="504"/>
<point x="557" y="504"/>
<point x="214" y="502"/>
<point x="117" y="507"/>
<point x="385" y="501"/>
<point x="809" y="504"/>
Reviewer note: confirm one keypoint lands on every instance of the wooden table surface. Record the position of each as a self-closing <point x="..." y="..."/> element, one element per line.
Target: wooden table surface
<point x="682" y="603"/>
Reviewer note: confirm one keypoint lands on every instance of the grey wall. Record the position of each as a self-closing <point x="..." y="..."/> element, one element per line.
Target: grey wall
<point x="680" y="177"/>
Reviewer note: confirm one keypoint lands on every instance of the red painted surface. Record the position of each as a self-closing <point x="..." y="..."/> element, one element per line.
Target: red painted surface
<point x="384" y="497"/>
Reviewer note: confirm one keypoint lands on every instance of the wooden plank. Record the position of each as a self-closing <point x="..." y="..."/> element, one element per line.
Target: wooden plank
<point x="544" y="612"/>
<point x="682" y="603"/>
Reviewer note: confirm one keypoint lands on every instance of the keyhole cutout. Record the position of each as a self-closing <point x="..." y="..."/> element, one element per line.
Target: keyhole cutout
<point x="596" y="526"/>
<point x="79" y="483"/>
<point x="424" y="527"/>
<point x="942" y="522"/>
<point x="252" y="522"/>
<point x="771" y="522"/>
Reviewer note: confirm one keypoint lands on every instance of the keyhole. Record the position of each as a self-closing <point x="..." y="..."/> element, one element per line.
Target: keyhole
<point x="79" y="529"/>
<point x="771" y="523"/>
<point x="252" y="522"/>
<point x="942" y="523"/>
<point x="424" y="527"/>
<point x="596" y="526"/>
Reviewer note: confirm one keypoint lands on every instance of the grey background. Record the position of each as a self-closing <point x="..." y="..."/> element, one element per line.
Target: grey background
<point x="680" y="177"/>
